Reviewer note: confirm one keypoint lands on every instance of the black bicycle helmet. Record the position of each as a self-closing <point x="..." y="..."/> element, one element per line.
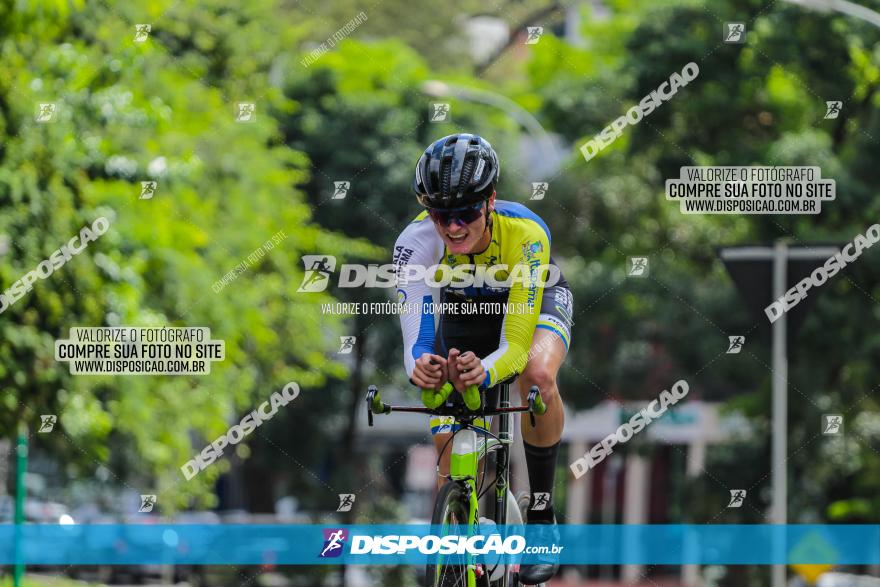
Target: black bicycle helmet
<point x="456" y="171"/>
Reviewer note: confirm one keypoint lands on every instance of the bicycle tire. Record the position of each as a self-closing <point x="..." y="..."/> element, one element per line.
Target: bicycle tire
<point x="452" y="503"/>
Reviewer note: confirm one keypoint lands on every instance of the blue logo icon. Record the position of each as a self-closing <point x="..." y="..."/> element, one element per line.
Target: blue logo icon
<point x="334" y="541"/>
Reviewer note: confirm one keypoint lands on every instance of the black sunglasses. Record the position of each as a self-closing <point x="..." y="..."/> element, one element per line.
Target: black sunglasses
<point x="464" y="215"/>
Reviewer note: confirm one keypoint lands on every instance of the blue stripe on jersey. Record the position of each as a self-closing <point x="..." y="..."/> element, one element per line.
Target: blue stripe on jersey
<point x="517" y="210"/>
<point x="425" y="341"/>
<point x="556" y="331"/>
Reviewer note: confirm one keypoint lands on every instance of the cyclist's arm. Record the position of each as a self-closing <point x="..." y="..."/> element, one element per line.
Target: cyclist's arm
<point x="524" y="301"/>
<point x="418" y="244"/>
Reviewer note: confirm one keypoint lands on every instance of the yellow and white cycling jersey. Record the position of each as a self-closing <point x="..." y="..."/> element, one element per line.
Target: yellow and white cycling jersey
<point x="513" y="270"/>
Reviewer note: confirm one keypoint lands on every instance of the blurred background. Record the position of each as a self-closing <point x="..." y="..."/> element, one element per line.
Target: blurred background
<point x="347" y="92"/>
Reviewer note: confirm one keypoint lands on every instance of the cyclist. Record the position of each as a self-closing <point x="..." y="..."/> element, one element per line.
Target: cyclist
<point x="465" y="224"/>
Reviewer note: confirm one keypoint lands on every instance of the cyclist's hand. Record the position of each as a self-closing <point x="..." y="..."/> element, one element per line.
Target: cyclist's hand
<point x="470" y="368"/>
<point x="429" y="371"/>
<point x="454" y="374"/>
<point x="470" y="393"/>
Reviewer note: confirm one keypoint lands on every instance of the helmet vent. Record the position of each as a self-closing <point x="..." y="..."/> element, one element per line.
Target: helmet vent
<point x="467" y="171"/>
<point x="445" y="178"/>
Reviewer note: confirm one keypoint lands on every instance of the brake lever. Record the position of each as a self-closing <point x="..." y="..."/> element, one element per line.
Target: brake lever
<point x="371" y="393"/>
<point x="536" y="404"/>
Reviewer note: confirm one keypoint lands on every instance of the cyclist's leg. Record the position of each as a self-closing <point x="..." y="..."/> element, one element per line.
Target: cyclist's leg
<point x="541" y="443"/>
<point x="548" y="351"/>
<point x="547" y="354"/>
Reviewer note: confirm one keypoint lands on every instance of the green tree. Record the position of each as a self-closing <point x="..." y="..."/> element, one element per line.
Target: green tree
<point x="762" y="103"/>
<point x="160" y="110"/>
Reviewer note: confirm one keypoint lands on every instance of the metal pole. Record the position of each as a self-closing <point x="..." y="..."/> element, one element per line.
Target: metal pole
<point x="780" y="406"/>
<point x="779" y="255"/>
<point x="20" y="470"/>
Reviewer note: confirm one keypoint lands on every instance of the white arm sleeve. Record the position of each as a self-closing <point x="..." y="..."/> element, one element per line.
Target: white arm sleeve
<point x="418" y="245"/>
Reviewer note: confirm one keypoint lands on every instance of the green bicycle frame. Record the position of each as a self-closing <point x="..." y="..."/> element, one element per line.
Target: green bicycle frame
<point x="468" y="446"/>
<point x="463" y="468"/>
<point x="469" y="443"/>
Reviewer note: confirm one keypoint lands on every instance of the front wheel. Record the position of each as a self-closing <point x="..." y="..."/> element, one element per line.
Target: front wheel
<point x="451" y="514"/>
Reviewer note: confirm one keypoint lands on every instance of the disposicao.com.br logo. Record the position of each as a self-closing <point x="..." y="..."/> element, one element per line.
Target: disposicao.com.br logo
<point x="402" y="544"/>
<point x="477" y="544"/>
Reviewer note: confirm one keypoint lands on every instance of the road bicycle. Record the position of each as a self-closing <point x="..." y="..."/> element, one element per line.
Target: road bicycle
<point x="456" y="508"/>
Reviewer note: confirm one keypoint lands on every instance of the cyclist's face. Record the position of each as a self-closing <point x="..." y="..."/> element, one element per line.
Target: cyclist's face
<point x="462" y="237"/>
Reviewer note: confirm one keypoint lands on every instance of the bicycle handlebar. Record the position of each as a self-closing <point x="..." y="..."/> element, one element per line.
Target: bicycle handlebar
<point x="433" y="399"/>
<point x="471" y="397"/>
